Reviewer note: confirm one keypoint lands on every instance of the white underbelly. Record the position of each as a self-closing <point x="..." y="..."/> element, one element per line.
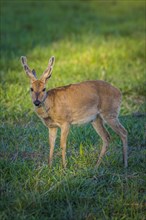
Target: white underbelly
<point x="84" y="120"/>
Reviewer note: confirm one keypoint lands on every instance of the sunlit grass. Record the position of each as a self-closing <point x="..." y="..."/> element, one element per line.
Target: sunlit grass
<point x="114" y="61"/>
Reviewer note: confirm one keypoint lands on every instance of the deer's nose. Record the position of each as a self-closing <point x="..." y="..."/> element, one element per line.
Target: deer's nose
<point x="37" y="102"/>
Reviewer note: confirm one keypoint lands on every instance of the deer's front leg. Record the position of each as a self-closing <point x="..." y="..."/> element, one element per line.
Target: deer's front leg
<point x="52" y="138"/>
<point x="63" y="139"/>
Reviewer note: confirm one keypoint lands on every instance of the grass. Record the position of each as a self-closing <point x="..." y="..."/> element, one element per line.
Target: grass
<point x="90" y="40"/>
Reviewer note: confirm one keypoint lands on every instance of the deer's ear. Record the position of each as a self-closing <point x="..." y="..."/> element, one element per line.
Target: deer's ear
<point x="47" y="73"/>
<point x="31" y="74"/>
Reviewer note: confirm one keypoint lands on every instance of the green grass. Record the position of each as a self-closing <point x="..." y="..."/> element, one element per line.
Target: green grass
<point x="90" y="40"/>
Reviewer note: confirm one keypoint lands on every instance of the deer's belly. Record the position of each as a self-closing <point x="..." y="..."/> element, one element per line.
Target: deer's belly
<point x="84" y="120"/>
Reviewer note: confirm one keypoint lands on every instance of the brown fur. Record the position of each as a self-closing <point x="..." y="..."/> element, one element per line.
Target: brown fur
<point x="89" y="101"/>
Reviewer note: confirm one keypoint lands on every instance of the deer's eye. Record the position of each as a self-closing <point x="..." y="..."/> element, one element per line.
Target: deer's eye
<point x="44" y="90"/>
<point x="31" y="89"/>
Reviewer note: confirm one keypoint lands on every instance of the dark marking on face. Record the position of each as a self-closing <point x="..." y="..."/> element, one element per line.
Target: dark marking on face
<point x="34" y="73"/>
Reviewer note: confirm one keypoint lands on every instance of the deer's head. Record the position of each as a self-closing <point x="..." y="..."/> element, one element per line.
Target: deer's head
<point x="38" y="87"/>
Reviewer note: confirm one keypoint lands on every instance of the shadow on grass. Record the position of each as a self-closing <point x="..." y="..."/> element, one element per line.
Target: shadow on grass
<point x="29" y="189"/>
<point x="33" y="23"/>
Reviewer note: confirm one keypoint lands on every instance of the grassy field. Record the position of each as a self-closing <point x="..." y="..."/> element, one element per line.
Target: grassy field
<point x="90" y="40"/>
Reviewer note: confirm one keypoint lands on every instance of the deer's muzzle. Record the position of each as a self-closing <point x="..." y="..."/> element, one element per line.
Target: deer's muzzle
<point x="37" y="102"/>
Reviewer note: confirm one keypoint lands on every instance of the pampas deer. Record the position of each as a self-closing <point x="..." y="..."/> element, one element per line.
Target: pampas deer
<point x="90" y="101"/>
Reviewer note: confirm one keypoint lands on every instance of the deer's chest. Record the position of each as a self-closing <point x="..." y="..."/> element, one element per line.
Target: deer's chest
<point x="46" y="117"/>
<point x="49" y="122"/>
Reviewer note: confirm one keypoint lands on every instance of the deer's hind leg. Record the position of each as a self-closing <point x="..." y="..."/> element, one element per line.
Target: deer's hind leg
<point x="121" y="131"/>
<point x="100" y="129"/>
